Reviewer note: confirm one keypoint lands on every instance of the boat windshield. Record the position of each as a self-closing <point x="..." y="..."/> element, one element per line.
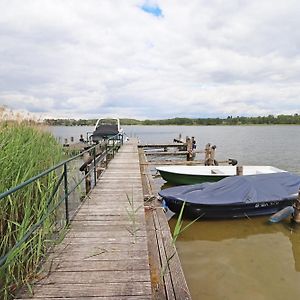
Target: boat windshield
<point x="105" y="122"/>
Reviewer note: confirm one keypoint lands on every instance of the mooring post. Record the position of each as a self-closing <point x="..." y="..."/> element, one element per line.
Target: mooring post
<point x="239" y="170"/>
<point x="212" y="155"/>
<point x="207" y="154"/>
<point x="296" y="206"/>
<point x="189" y="148"/>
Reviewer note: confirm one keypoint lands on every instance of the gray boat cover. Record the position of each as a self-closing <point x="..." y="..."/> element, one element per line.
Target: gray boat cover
<point x="238" y="190"/>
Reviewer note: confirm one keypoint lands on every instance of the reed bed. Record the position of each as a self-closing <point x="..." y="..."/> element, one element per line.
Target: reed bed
<point x="25" y="151"/>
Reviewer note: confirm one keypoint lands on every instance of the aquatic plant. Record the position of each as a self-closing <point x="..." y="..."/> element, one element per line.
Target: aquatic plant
<point x="176" y="233"/>
<point x="25" y="151"/>
<point x="132" y="216"/>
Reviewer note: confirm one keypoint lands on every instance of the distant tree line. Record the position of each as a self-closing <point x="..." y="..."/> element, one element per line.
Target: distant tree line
<point x="230" y="120"/>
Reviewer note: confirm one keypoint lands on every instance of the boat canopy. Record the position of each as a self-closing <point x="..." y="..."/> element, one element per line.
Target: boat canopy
<point x="238" y="190"/>
<point x="105" y="128"/>
<point x="108" y="122"/>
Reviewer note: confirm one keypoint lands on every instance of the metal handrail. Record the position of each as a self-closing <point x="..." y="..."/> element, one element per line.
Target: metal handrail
<point x="62" y="179"/>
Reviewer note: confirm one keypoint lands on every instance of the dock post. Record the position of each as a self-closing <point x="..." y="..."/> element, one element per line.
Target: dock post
<point x="113" y="148"/>
<point x="207" y="154"/>
<point x="213" y="154"/>
<point x="239" y="170"/>
<point x="210" y="152"/>
<point x="189" y="148"/>
<point x="296" y="206"/>
<point x="66" y="144"/>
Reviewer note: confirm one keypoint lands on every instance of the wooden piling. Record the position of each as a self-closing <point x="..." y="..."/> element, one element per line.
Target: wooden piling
<point x="66" y="144"/>
<point x="210" y="152"/>
<point x="189" y="145"/>
<point x="239" y="170"/>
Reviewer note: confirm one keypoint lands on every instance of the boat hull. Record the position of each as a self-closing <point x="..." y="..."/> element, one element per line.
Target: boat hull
<point x="181" y="179"/>
<point x="193" y="211"/>
<point x="182" y="175"/>
<point x="234" y="196"/>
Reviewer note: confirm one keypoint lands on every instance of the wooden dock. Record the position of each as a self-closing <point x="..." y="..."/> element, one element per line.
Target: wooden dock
<point x="109" y="252"/>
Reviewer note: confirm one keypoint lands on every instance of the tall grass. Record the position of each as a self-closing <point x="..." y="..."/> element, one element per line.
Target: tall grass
<point x="25" y="151"/>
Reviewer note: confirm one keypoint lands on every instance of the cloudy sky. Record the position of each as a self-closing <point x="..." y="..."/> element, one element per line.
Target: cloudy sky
<point x="150" y="59"/>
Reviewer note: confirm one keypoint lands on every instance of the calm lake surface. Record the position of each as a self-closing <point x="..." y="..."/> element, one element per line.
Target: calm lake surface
<point x="234" y="259"/>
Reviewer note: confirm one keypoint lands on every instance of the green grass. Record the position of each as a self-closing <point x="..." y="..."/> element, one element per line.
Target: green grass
<point x="25" y="151"/>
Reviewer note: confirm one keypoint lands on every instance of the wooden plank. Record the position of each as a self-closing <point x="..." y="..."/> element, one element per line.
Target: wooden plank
<point x="144" y="297"/>
<point x="95" y="277"/>
<point x="113" y="240"/>
<point x="102" y="234"/>
<point x="157" y="283"/>
<point x="165" y="271"/>
<point x="100" y="217"/>
<point x="163" y="153"/>
<point x="112" y="228"/>
<point x="124" y="223"/>
<point x="179" y="284"/>
<point x="79" y="277"/>
<point x="170" y="145"/>
<point x="100" y="254"/>
<point x="92" y="290"/>
<point x="69" y="246"/>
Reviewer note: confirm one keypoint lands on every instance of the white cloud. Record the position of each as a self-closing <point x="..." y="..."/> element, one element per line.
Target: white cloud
<point x="201" y="58"/>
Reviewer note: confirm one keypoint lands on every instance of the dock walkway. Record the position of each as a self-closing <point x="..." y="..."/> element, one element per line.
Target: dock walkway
<point x="104" y="255"/>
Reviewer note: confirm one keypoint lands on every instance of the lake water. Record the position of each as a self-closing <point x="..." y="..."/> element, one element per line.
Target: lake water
<point x="254" y="145"/>
<point x="234" y="259"/>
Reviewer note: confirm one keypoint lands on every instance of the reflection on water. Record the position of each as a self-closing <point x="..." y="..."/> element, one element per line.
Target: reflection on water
<point x="241" y="259"/>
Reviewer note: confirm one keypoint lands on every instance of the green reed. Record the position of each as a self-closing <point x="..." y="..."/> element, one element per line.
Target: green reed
<point x="178" y="230"/>
<point x="132" y="216"/>
<point x="25" y="151"/>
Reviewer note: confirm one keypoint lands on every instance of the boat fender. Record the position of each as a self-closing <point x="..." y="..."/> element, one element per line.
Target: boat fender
<point x="164" y="206"/>
<point x="282" y="214"/>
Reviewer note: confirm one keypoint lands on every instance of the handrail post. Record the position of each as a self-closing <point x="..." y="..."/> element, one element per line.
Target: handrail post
<point x="106" y="150"/>
<point x="113" y="154"/>
<point x="66" y="193"/>
<point x="95" y="172"/>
